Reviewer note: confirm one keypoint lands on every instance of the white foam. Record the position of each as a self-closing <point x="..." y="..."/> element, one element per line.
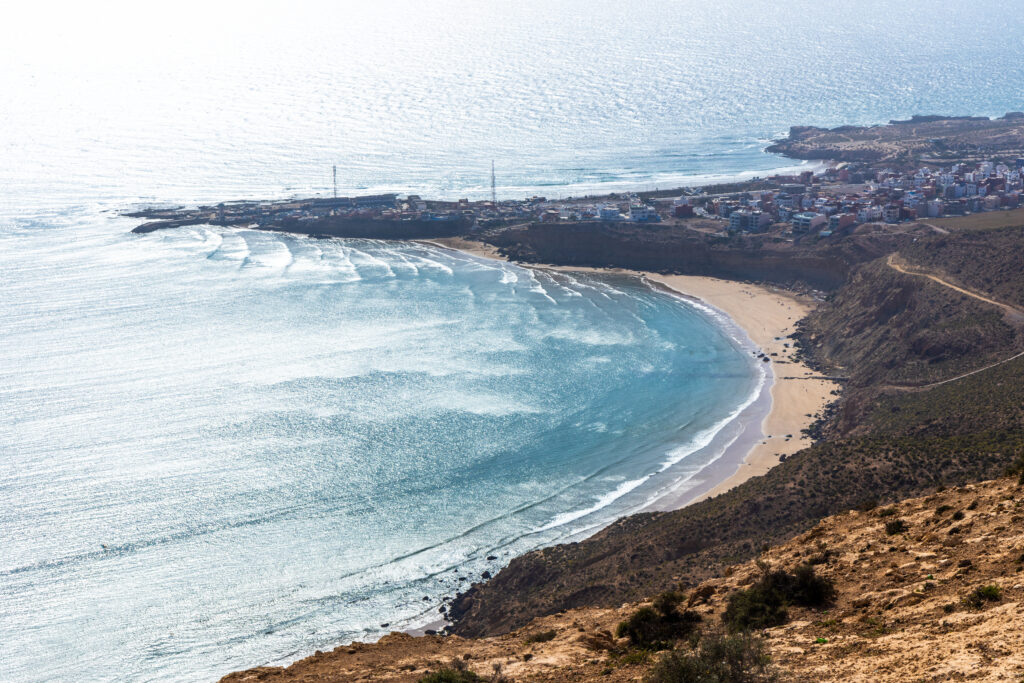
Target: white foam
<point x="436" y="265"/>
<point x="538" y="288"/>
<point x="602" y="502"/>
<point x="704" y="437"/>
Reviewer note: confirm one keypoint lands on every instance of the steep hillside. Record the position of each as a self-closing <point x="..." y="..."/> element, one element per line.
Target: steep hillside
<point x="990" y="261"/>
<point x="929" y="589"/>
<point x="886" y="327"/>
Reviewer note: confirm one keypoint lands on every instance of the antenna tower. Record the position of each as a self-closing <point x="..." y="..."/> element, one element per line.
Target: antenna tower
<point x="494" y="192"/>
<point x="335" y="172"/>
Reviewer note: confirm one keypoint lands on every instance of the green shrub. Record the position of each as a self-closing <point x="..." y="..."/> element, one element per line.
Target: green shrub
<point x="716" y="659"/>
<point x="657" y="627"/>
<point x="977" y="598"/>
<point x="807" y="589"/>
<point x="764" y="604"/>
<point x="542" y="636"/>
<point x="757" y="607"/>
<point x="896" y="526"/>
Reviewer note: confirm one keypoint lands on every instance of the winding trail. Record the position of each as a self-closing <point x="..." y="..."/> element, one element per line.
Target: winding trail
<point x="924" y="387"/>
<point x="1011" y="310"/>
<point x="1013" y="313"/>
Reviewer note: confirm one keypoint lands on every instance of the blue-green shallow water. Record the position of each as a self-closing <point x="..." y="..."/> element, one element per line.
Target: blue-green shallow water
<point x="226" y="447"/>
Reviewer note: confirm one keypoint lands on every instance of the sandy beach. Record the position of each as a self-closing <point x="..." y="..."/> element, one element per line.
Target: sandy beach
<point x="768" y="316"/>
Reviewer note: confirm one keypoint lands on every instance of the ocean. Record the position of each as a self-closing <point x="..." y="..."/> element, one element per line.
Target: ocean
<point x="223" y="448"/>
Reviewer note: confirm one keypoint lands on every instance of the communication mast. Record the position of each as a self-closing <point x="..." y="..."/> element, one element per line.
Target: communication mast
<point x="335" y="170"/>
<point x="494" y="192"/>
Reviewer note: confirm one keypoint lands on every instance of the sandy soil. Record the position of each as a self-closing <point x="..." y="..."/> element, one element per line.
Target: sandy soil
<point x="768" y="316"/>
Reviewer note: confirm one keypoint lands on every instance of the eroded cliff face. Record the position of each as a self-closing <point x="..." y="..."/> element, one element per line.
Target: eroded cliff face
<point x="675" y="249"/>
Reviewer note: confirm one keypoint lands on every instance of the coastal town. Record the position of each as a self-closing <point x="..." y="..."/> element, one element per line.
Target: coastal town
<point x="831" y="202"/>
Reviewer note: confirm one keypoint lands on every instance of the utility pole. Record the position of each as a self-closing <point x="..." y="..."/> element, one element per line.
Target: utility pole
<point x="494" y="191"/>
<point x="335" y="169"/>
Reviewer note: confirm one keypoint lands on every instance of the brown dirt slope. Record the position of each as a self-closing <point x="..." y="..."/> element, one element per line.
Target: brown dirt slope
<point x="888" y="327"/>
<point x="903" y="612"/>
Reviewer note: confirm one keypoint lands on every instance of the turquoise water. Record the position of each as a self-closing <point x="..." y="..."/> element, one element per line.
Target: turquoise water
<point x="226" y="448"/>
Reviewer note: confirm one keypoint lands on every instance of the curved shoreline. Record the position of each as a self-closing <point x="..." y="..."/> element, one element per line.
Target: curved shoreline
<point x="771" y="426"/>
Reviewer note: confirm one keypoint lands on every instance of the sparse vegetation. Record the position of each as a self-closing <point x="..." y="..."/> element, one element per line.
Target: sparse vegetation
<point x="980" y="596"/>
<point x="658" y="626"/>
<point x="456" y="672"/>
<point x="765" y="603"/>
<point x="541" y="636"/>
<point x="716" y="659"/>
<point x="895" y="526"/>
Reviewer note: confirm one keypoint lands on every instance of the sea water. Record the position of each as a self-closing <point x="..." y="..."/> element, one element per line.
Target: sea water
<point x="222" y="448"/>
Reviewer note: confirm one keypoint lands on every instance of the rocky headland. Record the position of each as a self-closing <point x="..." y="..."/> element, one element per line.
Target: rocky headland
<point x="920" y="139"/>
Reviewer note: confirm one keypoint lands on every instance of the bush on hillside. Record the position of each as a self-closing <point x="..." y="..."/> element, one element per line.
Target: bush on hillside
<point x="452" y="676"/>
<point x="716" y="659"/>
<point x="896" y="526"/>
<point x="977" y="598"/>
<point x="764" y="604"/>
<point x="657" y="627"/>
<point x="541" y="636"/>
<point x="1017" y="468"/>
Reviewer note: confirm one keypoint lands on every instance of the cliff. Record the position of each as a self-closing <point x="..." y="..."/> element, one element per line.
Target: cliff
<point x="676" y="249"/>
